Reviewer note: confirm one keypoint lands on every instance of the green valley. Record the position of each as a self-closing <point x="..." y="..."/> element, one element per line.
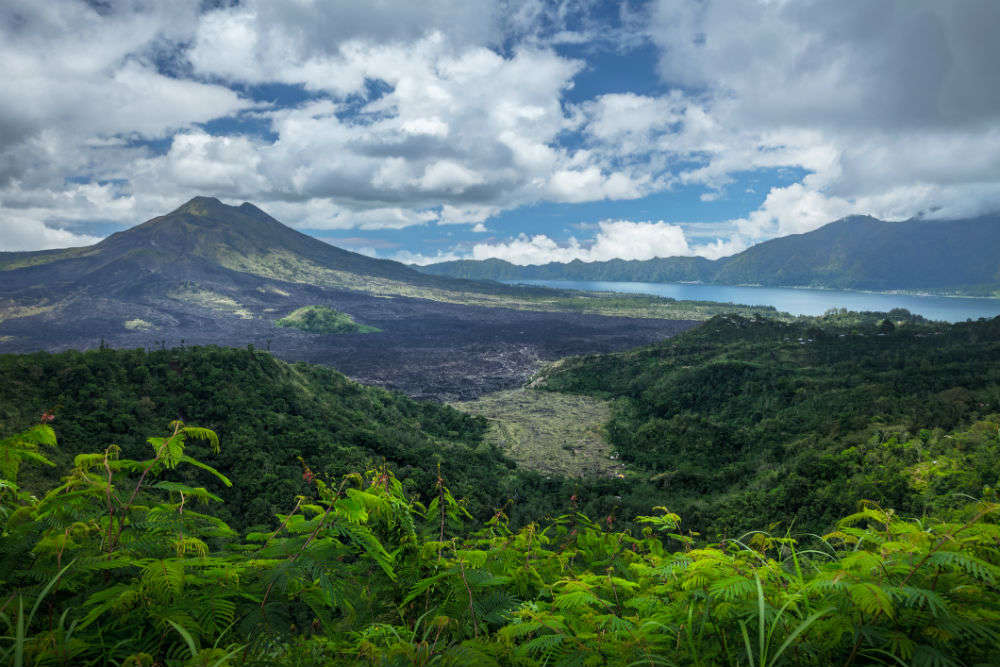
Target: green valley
<point x="813" y="492"/>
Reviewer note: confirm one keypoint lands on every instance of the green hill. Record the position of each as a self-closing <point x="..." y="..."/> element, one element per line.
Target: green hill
<point x="747" y="422"/>
<point x="859" y="252"/>
<point x="320" y="319"/>
<point x="268" y="412"/>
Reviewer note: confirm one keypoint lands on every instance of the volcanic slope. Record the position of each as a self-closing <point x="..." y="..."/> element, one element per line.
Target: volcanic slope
<point x="203" y="241"/>
<point x="210" y="273"/>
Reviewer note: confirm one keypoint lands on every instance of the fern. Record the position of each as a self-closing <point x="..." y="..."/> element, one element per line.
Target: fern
<point x="359" y="573"/>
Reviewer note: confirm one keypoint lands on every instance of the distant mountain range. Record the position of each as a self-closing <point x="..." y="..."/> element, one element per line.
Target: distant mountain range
<point x="858" y="252"/>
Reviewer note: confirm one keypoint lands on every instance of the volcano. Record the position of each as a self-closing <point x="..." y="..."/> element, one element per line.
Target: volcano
<point x="211" y="273"/>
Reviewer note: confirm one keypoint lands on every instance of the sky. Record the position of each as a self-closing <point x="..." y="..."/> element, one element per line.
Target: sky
<point x="523" y="130"/>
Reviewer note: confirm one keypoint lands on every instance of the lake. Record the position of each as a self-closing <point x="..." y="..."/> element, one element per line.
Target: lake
<point x="798" y="301"/>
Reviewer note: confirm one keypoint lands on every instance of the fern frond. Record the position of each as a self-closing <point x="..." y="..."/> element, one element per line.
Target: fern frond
<point x="205" y="434"/>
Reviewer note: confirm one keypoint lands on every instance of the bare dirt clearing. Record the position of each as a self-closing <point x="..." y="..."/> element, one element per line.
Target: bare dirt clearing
<point x="553" y="433"/>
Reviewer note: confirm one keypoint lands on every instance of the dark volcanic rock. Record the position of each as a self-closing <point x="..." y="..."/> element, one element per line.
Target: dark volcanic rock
<point x="426" y="349"/>
<point x="208" y="273"/>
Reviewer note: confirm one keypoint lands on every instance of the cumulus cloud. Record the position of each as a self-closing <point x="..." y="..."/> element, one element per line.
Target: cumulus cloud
<point x="452" y="112"/>
<point x="893" y="108"/>
<point x="422" y="259"/>
<point x="328" y="213"/>
<point x="475" y="215"/>
<point x="216" y="164"/>
<point x="74" y="72"/>
<point x="79" y="87"/>
<point x="837" y="64"/>
<point x="460" y="129"/>
<point x="615" y="239"/>
<point x="26" y="233"/>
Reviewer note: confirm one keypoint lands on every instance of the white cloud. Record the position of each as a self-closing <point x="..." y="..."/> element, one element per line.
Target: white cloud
<point x="452" y="112"/>
<point x="26" y="233"/>
<point x="205" y="163"/>
<point x="460" y="126"/>
<point x="896" y="121"/>
<point x="75" y="72"/>
<point x="621" y="239"/>
<point x="722" y="247"/>
<point x="638" y="240"/>
<point x="420" y="259"/>
<point x="79" y="84"/>
<point x="432" y="126"/>
<point x="449" y="176"/>
<point x="632" y="122"/>
<point x="296" y="42"/>
<point x="590" y="183"/>
<point x="458" y="215"/>
<point x="327" y="213"/>
<point x="889" y="65"/>
<point x="461" y="129"/>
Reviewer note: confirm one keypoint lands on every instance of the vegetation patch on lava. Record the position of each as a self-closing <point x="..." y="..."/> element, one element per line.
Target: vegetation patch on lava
<point x="321" y="319"/>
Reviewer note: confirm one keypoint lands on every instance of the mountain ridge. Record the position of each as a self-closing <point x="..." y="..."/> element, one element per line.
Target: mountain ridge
<point x="204" y="234"/>
<point x="856" y="252"/>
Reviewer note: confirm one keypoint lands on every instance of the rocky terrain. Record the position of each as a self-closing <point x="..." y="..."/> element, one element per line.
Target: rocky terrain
<point x="211" y="274"/>
<point x="427" y="349"/>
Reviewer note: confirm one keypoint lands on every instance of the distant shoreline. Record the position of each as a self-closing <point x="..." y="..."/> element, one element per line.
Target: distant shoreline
<point x="818" y="288"/>
<point x="796" y="301"/>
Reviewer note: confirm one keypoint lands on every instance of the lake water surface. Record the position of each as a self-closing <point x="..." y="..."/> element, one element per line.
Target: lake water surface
<point x="798" y="301"/>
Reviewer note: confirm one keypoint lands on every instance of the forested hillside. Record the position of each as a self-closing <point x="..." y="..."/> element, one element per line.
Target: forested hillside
<point x="275" y="417"/>
<point x="737" y="424"/>
<point x="756" y="422"/>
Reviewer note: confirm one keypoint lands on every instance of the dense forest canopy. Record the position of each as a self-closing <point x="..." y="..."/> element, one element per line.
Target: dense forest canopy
<point x="740" y="423"/>
<point x="270" y="413"/>
<point x="276" y="417"/>
<point x="747" y="422"/>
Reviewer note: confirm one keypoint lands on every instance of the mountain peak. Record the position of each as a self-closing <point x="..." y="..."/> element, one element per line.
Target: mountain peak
<point x="200" y="205"/>
<point x="249" y="209"/>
